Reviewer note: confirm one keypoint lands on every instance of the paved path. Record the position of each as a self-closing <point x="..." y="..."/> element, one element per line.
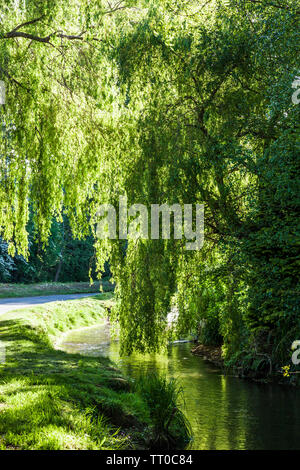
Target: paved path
<point x="23" y="302"/>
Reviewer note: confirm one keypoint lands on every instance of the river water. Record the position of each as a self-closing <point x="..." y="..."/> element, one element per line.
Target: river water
<point x="225" y="412"/>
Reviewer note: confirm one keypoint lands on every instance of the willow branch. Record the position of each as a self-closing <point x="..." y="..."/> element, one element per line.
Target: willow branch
<point x="116" y="7"/>
<point x="274" y="5"/>
<point x="27" y="23"/>
<point x="13" y="80"/>
<point x="46" y="39"/>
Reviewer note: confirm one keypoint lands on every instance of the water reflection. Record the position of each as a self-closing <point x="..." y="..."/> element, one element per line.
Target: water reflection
<point x="225" y="412"/>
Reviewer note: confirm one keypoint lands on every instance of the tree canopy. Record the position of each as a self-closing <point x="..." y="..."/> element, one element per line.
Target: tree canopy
<point x="166" y="102"/>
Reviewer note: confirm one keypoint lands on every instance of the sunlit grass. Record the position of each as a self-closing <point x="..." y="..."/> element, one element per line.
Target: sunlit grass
<point x="53" y="400"/>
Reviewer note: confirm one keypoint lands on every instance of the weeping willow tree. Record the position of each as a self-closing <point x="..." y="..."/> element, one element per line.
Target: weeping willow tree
<point x="59" y="123"/>
<point x="164" y="102"/>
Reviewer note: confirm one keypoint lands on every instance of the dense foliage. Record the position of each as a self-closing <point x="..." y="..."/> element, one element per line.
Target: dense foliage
<point x="63" y="259"/>
<point x="165" y="102"/>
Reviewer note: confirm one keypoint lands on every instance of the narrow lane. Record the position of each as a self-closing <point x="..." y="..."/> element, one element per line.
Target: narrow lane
<point x="6" y="305"/>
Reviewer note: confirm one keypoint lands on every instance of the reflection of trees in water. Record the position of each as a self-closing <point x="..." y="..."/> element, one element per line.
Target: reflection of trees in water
<point x="225" y="412"/>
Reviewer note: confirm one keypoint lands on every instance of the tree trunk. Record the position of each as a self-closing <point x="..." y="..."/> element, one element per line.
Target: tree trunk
<point x="58" y="270"/>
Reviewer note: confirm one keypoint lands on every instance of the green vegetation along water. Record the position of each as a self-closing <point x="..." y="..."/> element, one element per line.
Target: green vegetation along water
<point x="225" y="412"/>
<point x="51" y="400"/>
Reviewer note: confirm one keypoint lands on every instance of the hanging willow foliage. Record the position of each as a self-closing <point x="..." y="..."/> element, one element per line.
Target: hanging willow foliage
<point x="166" y="102"/>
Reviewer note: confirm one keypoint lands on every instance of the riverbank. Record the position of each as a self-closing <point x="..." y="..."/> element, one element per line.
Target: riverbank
<point x="247" y="368"/>
<point x="212" y="354"/>
<point x="53" y="400"/>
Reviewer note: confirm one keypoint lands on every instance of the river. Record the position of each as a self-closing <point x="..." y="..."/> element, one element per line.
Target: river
<point x="225" y="412"/>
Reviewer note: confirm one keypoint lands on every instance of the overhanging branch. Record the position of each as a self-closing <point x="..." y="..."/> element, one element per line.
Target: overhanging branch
<point x="275" y="5"/>
<point x="16" y="33"/>
<point x="46" y="39"/>
<point x="27" y="23"/>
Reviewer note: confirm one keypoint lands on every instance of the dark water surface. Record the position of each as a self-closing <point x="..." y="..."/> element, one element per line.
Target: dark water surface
<point x="224" y="412"/>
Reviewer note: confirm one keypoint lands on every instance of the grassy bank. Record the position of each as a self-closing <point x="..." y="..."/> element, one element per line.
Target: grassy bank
<point x="53" y="400"/>
<point x="48" y="288"/>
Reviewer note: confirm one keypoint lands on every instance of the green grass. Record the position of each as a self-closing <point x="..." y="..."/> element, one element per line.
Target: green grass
<point x="164" y="398"/>
<point x="53" y="400"/>
<point x="52" y="288"/>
